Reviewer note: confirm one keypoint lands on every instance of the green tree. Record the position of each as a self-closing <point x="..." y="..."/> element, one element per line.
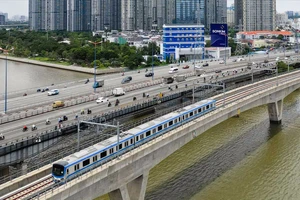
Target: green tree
<point x="207" y="43"/>
<point x="280" y="37"/>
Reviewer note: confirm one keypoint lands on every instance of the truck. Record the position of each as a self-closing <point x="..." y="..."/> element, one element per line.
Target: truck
<point x="118" y="91"/>
<point x="98" y="83"/>
<point x="199" y="71"/>
<point x="168" y="80"/>
<point x="180" y="78"/>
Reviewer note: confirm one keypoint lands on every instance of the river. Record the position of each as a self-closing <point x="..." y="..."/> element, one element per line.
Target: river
<point x="24" y="76"/>
<point x="241" y="158"/>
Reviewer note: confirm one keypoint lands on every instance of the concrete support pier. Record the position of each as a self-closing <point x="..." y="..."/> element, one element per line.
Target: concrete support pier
<point x="134" y="190"/>
<point x="275" y="111"/>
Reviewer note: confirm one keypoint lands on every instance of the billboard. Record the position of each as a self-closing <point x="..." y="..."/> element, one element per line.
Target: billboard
<point x="218" y="35"/>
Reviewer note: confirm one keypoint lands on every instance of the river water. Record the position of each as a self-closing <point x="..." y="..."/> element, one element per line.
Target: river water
<point x="24" y="76"/>
<point x="241" y="158"/>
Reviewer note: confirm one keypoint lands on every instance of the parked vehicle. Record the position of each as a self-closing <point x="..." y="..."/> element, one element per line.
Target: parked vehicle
<point x="102" y="100"/>
<point x="168" y="80"/>
<point x="149" y="74"/>
<point x="127" y="79"/>
<point x="205" y="65"/>
<point x="57" y="104"/>
<point x="98" y="83"/>
<point x="118" y="91"/>
<point x="53" y="92"/>
<point x="180" y="78"/>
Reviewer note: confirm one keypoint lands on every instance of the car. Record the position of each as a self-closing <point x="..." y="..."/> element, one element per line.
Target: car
<point x="234" y="60"/>
<point x="218" y="71"/>
<point x="173" y="70"/>
<point x="149" y="74"/>
<point x="102" y="100"/>
<point x="53" y="92"/>
<point x="126" y="79"/>
<point x="205" y="65"/>
<point x="222" y="62"/>
<point x="185" y="67"/>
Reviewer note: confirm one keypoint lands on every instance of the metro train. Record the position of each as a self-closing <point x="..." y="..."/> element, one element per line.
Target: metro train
<point x="93" y="156"/>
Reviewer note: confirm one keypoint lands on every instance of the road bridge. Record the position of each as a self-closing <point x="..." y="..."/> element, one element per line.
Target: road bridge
<point x="126" y="177"/>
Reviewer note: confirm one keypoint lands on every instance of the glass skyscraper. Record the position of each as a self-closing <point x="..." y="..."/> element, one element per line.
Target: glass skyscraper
<point x="190" y="11"/>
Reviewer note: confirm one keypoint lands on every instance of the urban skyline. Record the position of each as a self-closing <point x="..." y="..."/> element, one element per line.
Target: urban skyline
<point x="20" y="7"/>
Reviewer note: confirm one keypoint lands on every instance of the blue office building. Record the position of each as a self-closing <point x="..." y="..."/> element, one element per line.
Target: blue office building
<point x="183" y="42"/>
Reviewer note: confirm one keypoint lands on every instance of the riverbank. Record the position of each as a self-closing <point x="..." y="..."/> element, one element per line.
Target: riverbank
<point x="63" y="67"/>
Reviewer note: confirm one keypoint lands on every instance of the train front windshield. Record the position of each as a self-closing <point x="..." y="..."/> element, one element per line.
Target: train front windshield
<point x="57" y="170"/>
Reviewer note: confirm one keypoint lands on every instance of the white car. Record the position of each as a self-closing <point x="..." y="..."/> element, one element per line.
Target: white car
<point x="53" y="92"/>
<point x="277" y="59"/>
<point x="102" y="100"/>
<point x="222" y="62"/>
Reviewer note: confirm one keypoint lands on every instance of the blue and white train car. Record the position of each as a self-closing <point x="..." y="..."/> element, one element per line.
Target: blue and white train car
<point x="79" y="162"/>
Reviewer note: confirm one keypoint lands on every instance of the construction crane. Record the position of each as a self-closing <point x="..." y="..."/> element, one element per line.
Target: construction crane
<point x="296" y="32"/>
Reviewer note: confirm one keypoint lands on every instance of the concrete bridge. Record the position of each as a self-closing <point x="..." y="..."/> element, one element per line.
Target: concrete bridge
<point x="126" y="178"/>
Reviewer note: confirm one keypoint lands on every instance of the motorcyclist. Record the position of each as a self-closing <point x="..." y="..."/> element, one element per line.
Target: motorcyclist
<point x="24" y="94"/>
<point x="117" y="101"/>
<point x="109" y="104"/>
<point x="139" y="71"/>
<point x="25" y="128"/>
<point x="47" y="121"/>
<point x="33" y="127"/>
<point x="134" y="98"/>
<point x="123" y="74"/>
<point x="146" y="70"/>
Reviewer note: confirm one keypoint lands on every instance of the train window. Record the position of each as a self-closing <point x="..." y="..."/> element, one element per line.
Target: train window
<point x="67" y="171"/>
<point x="137" y="138"/>
<point x="95" y="158"/>
<point x="179" y="119"/>
<point x="182" y="117"/>
<point x="76" y="167"/>
<point x="153" y="130"/>
<point x="186" y="116"/>
<point x="142" y="136"/>
<point x="120" y="146"/>
<point x="131" y="141"/>
<point x="170" y="123"/>
<point x="203" y="108"/>
<point x="103" y="154"/>
<point x="111" y="151"/>
<point x="86" y="162"/>
<point x="165" y="125"/>
<point x="191" y="114"/>
<point x="126" y="143"/>
<point x="199" y="110"/>
<point x="148" y="133"/>
<point x="58" y="170"/>
<point x="159" y="128"/>
<point x="207" y="107"/>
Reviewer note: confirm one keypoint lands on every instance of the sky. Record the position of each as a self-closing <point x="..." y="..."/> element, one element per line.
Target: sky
<point x="20" y="7"/>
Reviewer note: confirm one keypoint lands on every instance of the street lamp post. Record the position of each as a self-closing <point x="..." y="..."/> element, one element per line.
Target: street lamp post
<point x="194" y="56"/>
<point x="94" y="43"/>
<point x="152" y="62"/>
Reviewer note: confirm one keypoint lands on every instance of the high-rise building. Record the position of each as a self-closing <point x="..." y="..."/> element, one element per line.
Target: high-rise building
<point x="106" y="14"/>
<point x="79" y="15"/>
<point x="162" y="12"/>
<point x="47" y="14"/>
<point x="230" y="16"/>
<point x="215" y="12"/>
<point x="57" y="15"/>
<point x="137" y="14"/>
<point x="290" y="14"/>
<point x="5" y="15"/>
<point x="190" y="11"/>
<point x="2" y="19"/>
<point x="255" y="15"/>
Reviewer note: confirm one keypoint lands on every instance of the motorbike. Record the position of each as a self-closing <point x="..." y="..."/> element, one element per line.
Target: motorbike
<point x="139" y="71"/>
<point x="109" y="104"/>
<point x="2" y="137"/>
<point x="25" y="129"/>
<point x="48" y="122"/>
<point x="33" y="128"/>
<point x="24" y="94"/>
<point x="122" y="74"/>
<point x="65" y="118"/>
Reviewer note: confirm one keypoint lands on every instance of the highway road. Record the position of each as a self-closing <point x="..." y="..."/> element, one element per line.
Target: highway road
<point x="111" y="81"/>
<point x="13" y="130"/>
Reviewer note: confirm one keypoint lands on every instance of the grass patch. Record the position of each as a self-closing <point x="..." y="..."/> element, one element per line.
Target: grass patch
<point x="48" y="60"/>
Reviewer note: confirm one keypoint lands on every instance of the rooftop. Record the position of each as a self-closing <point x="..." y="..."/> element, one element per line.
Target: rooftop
<point x="285" y="33"/>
